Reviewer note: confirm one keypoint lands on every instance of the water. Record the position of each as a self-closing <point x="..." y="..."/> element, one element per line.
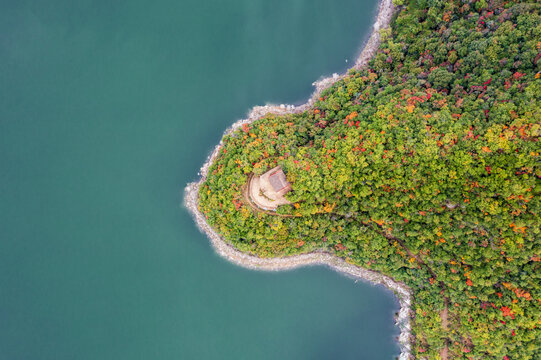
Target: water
<point x="107" y="110"/>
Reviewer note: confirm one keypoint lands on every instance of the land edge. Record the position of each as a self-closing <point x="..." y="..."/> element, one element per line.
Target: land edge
<point x="403" y="293"/>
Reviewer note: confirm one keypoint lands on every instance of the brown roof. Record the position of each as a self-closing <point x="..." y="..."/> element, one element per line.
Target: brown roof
<point x="278" y="180"/>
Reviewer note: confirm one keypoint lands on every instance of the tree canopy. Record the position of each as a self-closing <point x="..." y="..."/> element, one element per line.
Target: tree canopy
<point x="422" y="166"/>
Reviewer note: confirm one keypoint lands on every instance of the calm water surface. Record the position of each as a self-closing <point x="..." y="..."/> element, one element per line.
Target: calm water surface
<point x="107" y="110"/>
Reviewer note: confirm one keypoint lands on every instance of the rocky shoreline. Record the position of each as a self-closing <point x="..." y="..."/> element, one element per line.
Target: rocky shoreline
<point x="403" y="293"/>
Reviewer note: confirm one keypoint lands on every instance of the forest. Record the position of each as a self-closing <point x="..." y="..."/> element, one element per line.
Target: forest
<point x="422" y="166"/>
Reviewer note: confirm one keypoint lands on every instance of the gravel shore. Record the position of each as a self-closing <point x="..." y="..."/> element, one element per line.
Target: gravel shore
<point x="403" y="293"/>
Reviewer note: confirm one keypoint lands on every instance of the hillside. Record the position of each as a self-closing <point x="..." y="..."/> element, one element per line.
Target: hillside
<point x="422" y="166"/>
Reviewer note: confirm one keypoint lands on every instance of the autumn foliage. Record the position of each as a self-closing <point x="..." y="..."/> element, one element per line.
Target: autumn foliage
<point x="424" y="166"/>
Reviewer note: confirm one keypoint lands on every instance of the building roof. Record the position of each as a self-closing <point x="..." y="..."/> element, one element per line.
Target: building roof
<point x="267" y="191"/>
<point x="278" y="180"/>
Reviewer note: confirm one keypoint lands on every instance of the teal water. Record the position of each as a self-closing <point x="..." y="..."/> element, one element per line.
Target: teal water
<point x="107" y="110"/>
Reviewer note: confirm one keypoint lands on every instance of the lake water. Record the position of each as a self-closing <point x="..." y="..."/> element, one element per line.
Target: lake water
<point x="107" y="110"/>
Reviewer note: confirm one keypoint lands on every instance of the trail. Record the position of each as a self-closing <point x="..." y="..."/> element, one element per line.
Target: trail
<point x="444" y="315"/>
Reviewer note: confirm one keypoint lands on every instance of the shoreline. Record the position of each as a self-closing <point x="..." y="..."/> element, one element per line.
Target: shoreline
<point x="401" y="291"/>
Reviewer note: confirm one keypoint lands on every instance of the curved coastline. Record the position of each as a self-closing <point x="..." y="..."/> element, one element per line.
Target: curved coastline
<point x="403" y="293"/>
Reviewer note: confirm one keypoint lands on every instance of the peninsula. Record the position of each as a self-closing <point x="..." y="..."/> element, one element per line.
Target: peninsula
<point x="418" y="170"/>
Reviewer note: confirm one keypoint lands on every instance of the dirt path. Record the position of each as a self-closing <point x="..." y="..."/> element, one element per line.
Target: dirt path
<point x="444" y="352"/>
<point x="444" y="315"/>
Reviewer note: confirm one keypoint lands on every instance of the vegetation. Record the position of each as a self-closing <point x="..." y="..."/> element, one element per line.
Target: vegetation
<point x="422" y="166"/>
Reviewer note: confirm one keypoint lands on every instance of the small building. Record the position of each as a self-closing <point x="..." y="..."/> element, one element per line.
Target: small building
<point x="267" y="191"/>
<point x="278" y="181"/>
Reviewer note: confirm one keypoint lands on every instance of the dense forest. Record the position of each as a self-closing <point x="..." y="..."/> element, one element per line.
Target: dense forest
<point x="422" y="166"/>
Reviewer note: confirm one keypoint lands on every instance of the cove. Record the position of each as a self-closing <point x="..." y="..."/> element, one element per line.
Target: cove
<point x="107" y="110"/>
